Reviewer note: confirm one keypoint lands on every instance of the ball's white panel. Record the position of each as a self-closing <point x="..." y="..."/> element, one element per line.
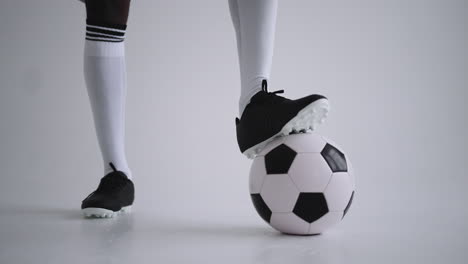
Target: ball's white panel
<point x="257" y="174"/>
<point x="273" y="144"/>
<point x="338" y="191"/>
<point x="351" y="174"/>
<point x="325" y="222"/>
<point x="310" y="172"/>
<point x="279" y="192"/>
<point x="305" y="142"/>
<point x="289" y="223"/>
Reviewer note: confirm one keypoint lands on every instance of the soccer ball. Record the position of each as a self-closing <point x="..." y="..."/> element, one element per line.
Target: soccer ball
<point x="302" y="184"/>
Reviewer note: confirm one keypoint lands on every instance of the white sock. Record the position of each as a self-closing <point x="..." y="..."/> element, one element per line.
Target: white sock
<point x="106" y="81"/>
<point x="254" y="22"/>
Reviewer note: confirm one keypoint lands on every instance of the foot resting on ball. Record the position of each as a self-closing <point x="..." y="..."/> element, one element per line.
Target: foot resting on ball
<point x="114" y="194"/>
<point x="268" y="116"/>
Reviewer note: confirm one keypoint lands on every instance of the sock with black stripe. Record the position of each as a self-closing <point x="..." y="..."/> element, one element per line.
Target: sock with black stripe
<point x="106" y="81"/>
<point x="105" y="32"/>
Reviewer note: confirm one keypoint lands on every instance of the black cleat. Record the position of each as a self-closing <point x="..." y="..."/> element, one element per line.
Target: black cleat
<point x="269" y="116"/>
<point x="114" y="194"/>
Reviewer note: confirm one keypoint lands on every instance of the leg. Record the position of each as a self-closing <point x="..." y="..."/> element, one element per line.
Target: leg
<point x="105" y="75"/>
<point x="264" y="115"/>
<point x="254" y="22"/>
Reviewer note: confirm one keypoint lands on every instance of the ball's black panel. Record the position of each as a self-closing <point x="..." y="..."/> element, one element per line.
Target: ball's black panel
<point x="310" y="206"/>
<point x="261" y="207"/>
<point x="335" y="158"/>
<point x="279" y="159"/>
<point x="349" y="205"/>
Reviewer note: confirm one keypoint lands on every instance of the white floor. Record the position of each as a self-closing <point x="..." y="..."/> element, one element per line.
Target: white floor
<point x="60" y="235"/>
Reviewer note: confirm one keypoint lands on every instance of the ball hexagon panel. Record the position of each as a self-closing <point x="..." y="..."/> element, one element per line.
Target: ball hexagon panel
<point x="333" y="143"/>
<point x="310" y="172"/>
<point x="261" y="207"/>
<point x="279" y="159"/>
<point x="310" y="206"/>
<point x="305" y="142"/>
<point x="338" y="191"/>
<point x="289" y="223"/>
<point x="279" y="192"/>
<point x="325" y="222"/>
<point x="335" y="158"/>
<point x="349" y="204"/>
<point x="257" y="174"/>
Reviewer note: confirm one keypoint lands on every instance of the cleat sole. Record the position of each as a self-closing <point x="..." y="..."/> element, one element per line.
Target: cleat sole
<point x="94" y="212"/>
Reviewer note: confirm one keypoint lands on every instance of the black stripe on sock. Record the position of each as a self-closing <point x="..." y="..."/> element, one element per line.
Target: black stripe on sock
<point x="104" y="40"/>
<point x="102" y="36"/>
<point x="106" y="25"/>
<point x="105" y="31"/>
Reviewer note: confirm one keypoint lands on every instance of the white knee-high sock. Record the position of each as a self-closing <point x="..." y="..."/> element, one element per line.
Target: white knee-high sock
<point x="106" y="81"/>
<point x="254" y="22"/>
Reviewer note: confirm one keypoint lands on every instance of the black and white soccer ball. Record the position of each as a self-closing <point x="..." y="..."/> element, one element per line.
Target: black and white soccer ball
<point x="302" y="184"/>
